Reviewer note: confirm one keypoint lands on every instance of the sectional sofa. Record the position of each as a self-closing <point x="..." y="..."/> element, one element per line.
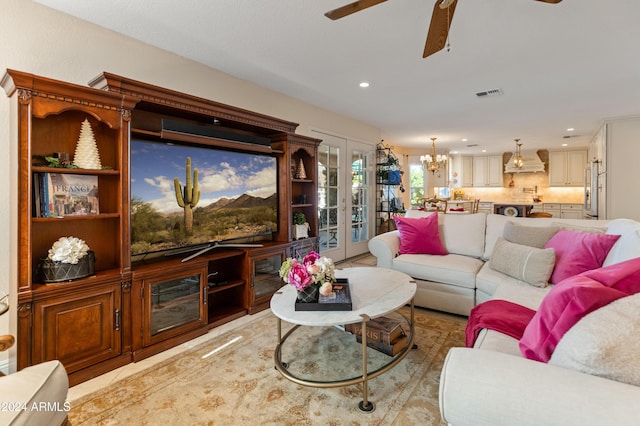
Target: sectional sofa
<point x="593" y="376"/>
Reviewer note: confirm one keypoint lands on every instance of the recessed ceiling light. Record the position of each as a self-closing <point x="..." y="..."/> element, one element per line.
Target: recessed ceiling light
<point x="570" y="129"/>
<point x="465" y="139"/>
<point x="484" y="150"/>
<point x="364" y="84"/>
<point x="565" y="144"/>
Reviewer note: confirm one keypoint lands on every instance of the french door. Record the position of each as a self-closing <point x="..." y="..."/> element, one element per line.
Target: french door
<point x="344" y="196"/>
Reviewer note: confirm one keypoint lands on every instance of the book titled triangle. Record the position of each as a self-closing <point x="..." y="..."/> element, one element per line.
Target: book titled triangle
<point x="65" y="194"/>
<point x="381" y="329"/>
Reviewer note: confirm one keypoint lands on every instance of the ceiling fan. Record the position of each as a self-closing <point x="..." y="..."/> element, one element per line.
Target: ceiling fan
<point x="438" y="29"/>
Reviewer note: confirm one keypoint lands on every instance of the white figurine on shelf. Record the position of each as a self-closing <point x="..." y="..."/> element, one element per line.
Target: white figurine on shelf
<point x="87" y="155"/>
<point x="301" y="173"/>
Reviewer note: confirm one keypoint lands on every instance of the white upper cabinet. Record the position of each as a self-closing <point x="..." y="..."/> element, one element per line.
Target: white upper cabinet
<point x="487" y="171"/>
<point x="466" y="178"/>
<point x="566" y="168"/>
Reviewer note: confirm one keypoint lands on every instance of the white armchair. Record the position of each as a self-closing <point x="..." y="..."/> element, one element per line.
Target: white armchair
<point x="35" y="395"/>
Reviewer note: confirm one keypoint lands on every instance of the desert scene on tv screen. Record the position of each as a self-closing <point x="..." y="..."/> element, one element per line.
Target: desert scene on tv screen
<point x="185" y="196"/>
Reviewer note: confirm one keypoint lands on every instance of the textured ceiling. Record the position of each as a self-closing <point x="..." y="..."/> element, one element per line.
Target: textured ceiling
<point x="573" y="64"/>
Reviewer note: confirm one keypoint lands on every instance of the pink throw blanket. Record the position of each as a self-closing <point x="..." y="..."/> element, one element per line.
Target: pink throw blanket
<point x="500" y="315"/>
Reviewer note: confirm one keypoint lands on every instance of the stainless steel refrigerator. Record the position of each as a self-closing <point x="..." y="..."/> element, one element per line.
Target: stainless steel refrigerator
<point x="591" y="189"/>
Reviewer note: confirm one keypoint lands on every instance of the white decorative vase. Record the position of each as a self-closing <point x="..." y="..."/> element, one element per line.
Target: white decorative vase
<point x="301" y="231"/>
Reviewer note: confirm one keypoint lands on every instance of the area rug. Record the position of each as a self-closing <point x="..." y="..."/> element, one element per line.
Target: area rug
<point x="231" y="379"/>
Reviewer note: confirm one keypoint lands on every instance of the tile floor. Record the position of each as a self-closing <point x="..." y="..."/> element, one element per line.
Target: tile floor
<point x="106" y="379"/>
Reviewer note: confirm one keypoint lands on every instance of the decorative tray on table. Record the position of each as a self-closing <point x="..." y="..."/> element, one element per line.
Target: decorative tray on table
<point x="339" y="300"/>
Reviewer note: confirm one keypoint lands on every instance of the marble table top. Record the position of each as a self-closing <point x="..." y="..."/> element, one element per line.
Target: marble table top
<point x="374" y="292"/>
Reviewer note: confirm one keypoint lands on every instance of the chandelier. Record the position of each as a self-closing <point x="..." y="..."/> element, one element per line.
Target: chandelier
<point x="433" y="162"/>
<point x="518" y="162"/>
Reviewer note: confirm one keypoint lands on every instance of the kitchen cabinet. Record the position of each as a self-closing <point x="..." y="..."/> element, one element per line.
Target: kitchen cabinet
<point x="485" y="207"/>
<point x="564" y="211"/>
<point x="466" y="177"/>
<point x="566" y="168"/>
<point x="487" y="171"/>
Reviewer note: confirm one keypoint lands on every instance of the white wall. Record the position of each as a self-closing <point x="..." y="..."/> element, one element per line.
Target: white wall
<point x="622" y="171"/>
<point x="44" y="42"/>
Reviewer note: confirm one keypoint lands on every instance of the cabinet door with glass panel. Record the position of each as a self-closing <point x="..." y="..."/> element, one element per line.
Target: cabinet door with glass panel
<point x="265" y="279"/>
<point x="173" y="303"/>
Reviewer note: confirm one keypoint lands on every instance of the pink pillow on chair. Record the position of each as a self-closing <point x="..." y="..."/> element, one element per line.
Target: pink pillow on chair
<point x="420" y="236"/>
<point x="571" y="300"/>
<point x="577" y="252"/>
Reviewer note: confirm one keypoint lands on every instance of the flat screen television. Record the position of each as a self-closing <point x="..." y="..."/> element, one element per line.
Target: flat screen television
<point x="187" y="197"/>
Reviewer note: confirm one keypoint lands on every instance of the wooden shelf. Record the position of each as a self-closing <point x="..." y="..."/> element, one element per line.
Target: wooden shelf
<point x="219" y="288"/>
<point x="222" y="315"/>
<point x="99" y="216"/>
<point x="102" y="172"/>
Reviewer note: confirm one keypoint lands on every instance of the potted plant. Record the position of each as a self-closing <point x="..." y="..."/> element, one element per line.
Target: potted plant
<point x="300" y="226"/>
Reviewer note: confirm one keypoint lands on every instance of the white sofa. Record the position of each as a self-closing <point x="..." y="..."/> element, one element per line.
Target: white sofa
<point x="492" y="383"/>
<point x="35" y="395"/>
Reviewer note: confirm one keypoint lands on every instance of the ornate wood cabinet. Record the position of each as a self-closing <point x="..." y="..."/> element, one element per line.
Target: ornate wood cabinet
<point x="124" y="312"/>
<point x="79" y="322"/>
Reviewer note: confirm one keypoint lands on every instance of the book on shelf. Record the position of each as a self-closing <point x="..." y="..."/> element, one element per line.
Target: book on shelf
<point x="391" y="349"/>
<point x="64" y="194"/>
<point x="381" y="329"/>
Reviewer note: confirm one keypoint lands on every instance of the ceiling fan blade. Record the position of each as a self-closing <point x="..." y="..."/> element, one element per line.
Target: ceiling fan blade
<point x="439" y="28"/>
<point x="350" y="8"/>
<point x="550" y="1"/>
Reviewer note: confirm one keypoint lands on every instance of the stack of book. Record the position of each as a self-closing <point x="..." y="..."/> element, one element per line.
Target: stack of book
<point x="384" y="334"/>
<point x="63" y="194"/>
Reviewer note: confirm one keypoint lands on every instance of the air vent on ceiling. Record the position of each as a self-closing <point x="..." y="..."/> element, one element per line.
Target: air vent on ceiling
<point x="570" y="136"/>
<point x="488" y="93"/>
<point x="472" y="145"/>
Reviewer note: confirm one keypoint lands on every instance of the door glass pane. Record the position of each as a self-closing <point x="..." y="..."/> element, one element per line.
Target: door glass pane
<point x="328" y="200"/>
<point x="359" y="197"/>
<point x="266" y="279"/>
<point x="174" y="303"/>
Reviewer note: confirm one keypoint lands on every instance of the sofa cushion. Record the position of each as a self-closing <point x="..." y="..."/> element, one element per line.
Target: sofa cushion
<point x="529" y="264"/>
<point x="420" y="236"/>
<point x="628" y="246"/>
<point x="593" y="346"/>
<point x="574" y="298"/>
<point x="464" y="233"/>
<point x="491" y="284"/>
<point x="451" y="269"/>
<point x="577" y="252"/>
<point x="534" y="236"/>
<point x="496" y="224"/>
<point x="581" y="228"/>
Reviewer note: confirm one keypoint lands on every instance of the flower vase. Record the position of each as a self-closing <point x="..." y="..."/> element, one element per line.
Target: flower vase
<point x="309" y="294"/>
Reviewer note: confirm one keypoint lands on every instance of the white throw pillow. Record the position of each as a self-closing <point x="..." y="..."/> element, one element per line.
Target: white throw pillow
<point x="628" y="245"/>
<point x="604" y="343"/>
<point x="534" y="236"/>
<point x="529" y="264"/>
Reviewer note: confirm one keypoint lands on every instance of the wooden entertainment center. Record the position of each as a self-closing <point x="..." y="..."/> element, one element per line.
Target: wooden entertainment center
<point x="125" y="311"/>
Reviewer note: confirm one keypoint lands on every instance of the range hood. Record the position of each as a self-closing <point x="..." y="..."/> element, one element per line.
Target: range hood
<point x="532" y="163"/>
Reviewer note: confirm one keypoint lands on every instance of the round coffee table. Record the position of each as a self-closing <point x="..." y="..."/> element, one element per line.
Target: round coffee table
<point x="374" y="292"/>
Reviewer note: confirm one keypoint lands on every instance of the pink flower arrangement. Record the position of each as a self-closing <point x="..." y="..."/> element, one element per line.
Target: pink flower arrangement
<point x="313" y="269"/>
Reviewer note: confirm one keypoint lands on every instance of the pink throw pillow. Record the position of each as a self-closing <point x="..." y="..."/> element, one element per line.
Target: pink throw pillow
<point x="571" y="300"/>
<point x="420" y="236"/>
<point x="577" y="252"/>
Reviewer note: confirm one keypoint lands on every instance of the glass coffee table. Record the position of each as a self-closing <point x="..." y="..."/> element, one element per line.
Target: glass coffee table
<point x="326" y="356"/>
